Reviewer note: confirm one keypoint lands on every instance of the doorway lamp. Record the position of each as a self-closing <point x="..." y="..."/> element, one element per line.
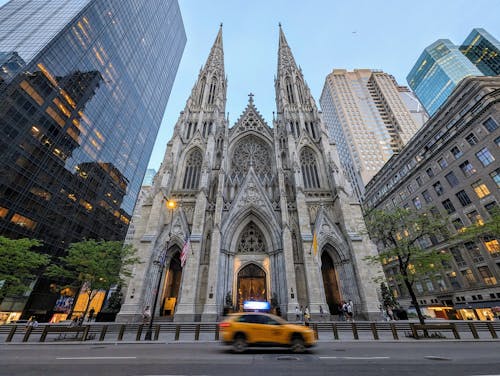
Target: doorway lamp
<point x="171" y="205"/>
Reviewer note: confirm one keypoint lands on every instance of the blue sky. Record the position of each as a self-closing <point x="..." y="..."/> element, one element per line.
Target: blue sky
<point x="386" y="34"/>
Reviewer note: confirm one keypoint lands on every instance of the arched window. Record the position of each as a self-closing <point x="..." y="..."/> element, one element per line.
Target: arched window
<point x="289" y="90"/>
<point x="299" y="89"/>
<point x="309" y="168"/>
<point x="193" y="170"/>
<point x="202" y="90"/>
<point x="188" y="131"/>
<point x="211" y="94"/>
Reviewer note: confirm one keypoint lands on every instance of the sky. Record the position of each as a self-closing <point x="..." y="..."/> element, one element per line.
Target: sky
<point x="388" y="35"/>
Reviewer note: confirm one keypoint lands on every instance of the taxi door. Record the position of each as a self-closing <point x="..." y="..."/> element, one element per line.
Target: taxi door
<point x="274" y="331"/>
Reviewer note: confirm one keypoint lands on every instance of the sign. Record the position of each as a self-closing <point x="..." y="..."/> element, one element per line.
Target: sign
<point x="256" y="306"/>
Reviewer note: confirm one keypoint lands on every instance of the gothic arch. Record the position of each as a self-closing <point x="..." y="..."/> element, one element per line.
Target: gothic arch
<point x="310" y="168"/>
<point x="202" y="90"/>
<point x="251" y="150"/>
<point x="212" y="91"/>
<point x="192" y="169"/>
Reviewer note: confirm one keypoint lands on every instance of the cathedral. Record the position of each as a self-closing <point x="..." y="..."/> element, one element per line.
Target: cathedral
<point x="262" y="213"/>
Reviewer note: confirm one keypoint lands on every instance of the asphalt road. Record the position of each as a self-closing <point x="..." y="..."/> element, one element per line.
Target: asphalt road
<point x="341" y="358"/>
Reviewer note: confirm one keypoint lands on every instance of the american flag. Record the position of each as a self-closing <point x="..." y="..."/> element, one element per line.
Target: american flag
<point x="185" y="251"/>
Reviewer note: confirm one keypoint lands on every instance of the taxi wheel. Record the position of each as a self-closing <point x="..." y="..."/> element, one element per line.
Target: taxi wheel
<point x="239" y="343"/>
<point x="298" y="345"/>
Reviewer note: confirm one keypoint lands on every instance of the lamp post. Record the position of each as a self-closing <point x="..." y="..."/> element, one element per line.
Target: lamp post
<point x="171" y="204"/>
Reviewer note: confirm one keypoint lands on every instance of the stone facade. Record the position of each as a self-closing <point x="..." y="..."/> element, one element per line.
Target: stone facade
<point x="269" y="214"/>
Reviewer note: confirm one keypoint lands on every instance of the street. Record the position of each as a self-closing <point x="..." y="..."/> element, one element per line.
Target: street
<point x="342" y="358"/>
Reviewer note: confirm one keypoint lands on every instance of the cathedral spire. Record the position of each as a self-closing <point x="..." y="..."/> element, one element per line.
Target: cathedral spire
<point x="286" y="61"/>
<point x="215" y="59"/>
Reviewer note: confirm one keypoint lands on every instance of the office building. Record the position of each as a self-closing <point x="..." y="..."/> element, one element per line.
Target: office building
<point x="451" y="165"/>
<point x="370" y="117"/>
<point x="483" y="50"/>
<point x="83" y="89"/>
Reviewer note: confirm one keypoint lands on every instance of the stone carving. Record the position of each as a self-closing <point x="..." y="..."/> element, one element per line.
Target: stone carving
<point x="251" y="240"/>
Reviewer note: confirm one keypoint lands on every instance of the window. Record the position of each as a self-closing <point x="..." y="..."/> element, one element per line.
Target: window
<point x="448" y="205"/>
<point x="411" y="188"/>
<point x="474" y="252"/>
<point x="429" y="285"/>
<point x="457" y="153"/>
<point x="475" y="217"/>
<point x="419" y="181"/>
<point x="438" y="188"/>
<point x="429" y="172"/>
<point x="402" y="195"/>
<point x="427" y="197"/>
<point x="457" y="256"/>
<point x="419" y="287"/>
<point x="492" y="246"/>
<point x="193" y="170"/>
<point x="468" y="276"/>
<point x="490" y="125"/>
<point x="452" y="179"/>
<point x="458" y="224"/>
<point x="309" y="168"/>
<point x="471" y="139"/>
<point x="485" y="156"/>
<point x="495" y="175"/>
<point x="486" y="275"/>
<point x="491" y="207"/>
<point x="467" y="169"/>
<point x="481" y="189"/>
<point x="442" y="163"/>
<point x="497" y="141"/>
<point x="463" y="197"/>
<point x="417" y="203"/>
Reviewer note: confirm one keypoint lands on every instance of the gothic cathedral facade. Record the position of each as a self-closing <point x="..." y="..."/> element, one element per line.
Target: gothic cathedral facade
<point x="267" y="211"/>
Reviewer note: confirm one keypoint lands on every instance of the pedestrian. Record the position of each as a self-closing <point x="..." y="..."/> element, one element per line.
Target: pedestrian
<point x="350" y="312"/>
<point x="321" y="312"/>
<point x="80" y="321"/>
<point x="146" y="315"/>
<point x="91" y="314"/>
<point x="307" y="316"/>
<point x="74" y="322"/>
<point x="390" y="313"/>
<point x="297" y="313"/>
<point x="344" y="311"/>
<point x="340" y="311"/>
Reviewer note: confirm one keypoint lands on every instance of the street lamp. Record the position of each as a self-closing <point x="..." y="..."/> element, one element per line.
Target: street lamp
<point x="170" y="204"/>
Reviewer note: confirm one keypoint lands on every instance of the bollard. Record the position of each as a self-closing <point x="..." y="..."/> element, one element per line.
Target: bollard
<point x="492" y="330"/>
<point x="121" y="332"/>
<point x="177" y="332"/>
<point x="11" y="333"/>
<point x="354" y="330"/>
<point x="473" y="329"/>
<point x="197" y="332"/>
<point x="44" y="333"/>
<point x="394" y="331"/>
<point x="103" y="332"/>
<point x="455" y="331"/>
<point x="335" y="331"/>
<point x="157" y="332"/>
<point x="374" y="330"/>
<point x="139" y="332"/>
<point x="29" y="329"/>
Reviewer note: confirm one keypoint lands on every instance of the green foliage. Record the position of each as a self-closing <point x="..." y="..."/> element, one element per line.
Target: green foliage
<point x="388" y="299"/>
<point x="94" y="265"/>
<point x="399" y="234"/>
<point x="483" y="231"/>
<point x="115" y="301"/>
<point x="18" y="265"/>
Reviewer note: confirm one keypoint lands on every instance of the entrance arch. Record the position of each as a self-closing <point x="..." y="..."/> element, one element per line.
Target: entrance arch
<point x="330" y="283"/>
<point x="171" y="285"/>
<point x="251" y="285"/>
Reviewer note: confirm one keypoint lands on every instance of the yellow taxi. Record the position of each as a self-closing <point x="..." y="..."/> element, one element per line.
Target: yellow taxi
<point x="262" y="329"/>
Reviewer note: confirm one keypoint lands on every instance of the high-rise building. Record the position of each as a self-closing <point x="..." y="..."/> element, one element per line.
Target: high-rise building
<point x="83" y="88"/>
<point x="148" y="177"/>
<point x="437" y="72"/>
<point x="268" y="212"/>
<point x="483" y="50"/>
<point x="370" y="117"/>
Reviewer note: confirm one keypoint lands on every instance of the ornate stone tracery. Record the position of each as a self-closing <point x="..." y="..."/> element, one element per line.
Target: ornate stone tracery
<point x="251" y="240"/>
<point x="251" y="151"/>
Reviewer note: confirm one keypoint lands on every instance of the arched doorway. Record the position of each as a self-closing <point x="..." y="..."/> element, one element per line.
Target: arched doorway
<point x="330" y="283"/>
<point x="251" y="285"/>
<point x="172" y="285"/>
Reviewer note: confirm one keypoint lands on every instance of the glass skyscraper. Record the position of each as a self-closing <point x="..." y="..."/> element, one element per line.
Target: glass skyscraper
<point x="437" y="72"/>
<point x="483" y="50"/>
<point x="83" y="88"/>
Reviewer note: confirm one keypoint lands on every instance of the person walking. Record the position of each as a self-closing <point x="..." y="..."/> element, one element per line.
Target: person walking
<point x="90" y="317"/>
<point x="307" y="316"/>
<point x="350" y="313"/>
<point x="146" y="315"/>
<point x="297" y="313"/>
<point x="321" y="313"/>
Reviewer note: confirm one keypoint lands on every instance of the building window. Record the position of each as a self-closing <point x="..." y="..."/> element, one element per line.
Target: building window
<point x="452" y="179"/>
<point x="448" y="205"/>
<point x="467" y="169"/>
<point x="474" y="252"/>
<point x="419" y="181"/>
<point x="419" y="287"/>
<point x="468" y="276"/>
<point x="463" y="197"/>
<point x="492" y="246"/>
<point x="309" y="168"/>
<point x="438" y="188"/>
<point x="457" y="153"/>
<point x="429" y="285"/>
<point x="452" y="277"/>
<point x="481" y="189"/>
<point x="495" y="175"/>
<point x="442" y="163"/>
<point x="458" y="224"/>
<point x="497" y="141"/>
<point x="417" y="203"/>
<point x="491" y="207"/>
<point x="475" y="217"/>
<point x="486" y="275"/>
<point x="457" y="256"/>
<point x="411" y="188"/>
<point x="471" y="139"/>
<point x="193" y="170"/>
<point x="402" y="195"/>
<point x="485" y="156"/>
<point x="490" y="125"/>
<point x="427" y="196"/>
<point x="429" y="172"/>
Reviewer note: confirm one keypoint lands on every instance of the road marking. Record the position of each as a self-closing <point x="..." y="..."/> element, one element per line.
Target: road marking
<point x="96" y="357"/>
<point x="355" y="357"/>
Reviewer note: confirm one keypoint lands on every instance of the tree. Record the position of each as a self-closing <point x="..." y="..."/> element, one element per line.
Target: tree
<point x="403" y="236"/>
<point x="18" y="265"/>
<point x="484" y="231"/>
<point x="92" y="265"/>
<point x="388" y="300"/>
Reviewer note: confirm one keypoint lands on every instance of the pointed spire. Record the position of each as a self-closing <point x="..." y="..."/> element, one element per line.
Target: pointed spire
<point x="285" y="56"/>
<point x="215" y="59"/>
